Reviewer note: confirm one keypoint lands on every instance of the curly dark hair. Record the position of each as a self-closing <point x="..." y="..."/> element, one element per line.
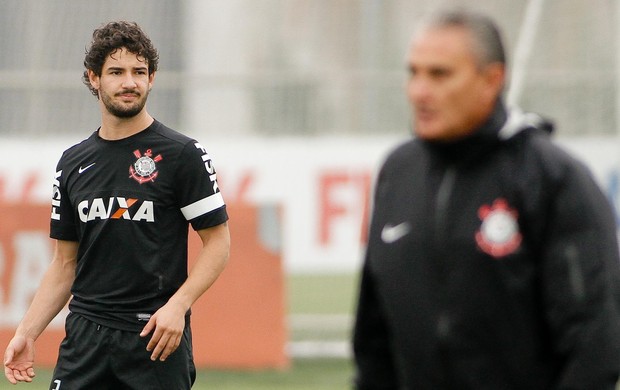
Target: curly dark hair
<point x="112" y="37"/>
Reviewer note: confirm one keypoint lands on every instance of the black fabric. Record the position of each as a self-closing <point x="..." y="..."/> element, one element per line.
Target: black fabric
<point x="96" y="357"/>
<point x="129" y="204"/>
<point x="494" y="267"/>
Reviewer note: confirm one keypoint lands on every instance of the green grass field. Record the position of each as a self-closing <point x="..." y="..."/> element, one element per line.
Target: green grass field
<point x="305" y="374"/>
<point x="314" y="295"/>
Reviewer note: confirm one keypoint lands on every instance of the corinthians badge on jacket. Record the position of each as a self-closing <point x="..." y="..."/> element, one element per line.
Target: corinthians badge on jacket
<point x="499" y="233"/>
<point x="144" y="169"/>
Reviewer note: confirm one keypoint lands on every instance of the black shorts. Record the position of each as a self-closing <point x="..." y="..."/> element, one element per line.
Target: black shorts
<point x="96" y="357"/>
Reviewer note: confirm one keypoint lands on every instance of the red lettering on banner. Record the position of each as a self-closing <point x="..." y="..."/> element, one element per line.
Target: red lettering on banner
<point x="243" y="188"/>
<point x="30" y="182"/>
<point x="241" y="193"/>
<point x="22" y="194"/>
<point x="332" y="209"/>
<point x="328" y="208"/>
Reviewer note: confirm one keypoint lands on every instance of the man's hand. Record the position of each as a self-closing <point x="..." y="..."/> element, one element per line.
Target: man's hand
<point x="168" y="323"/>
<point x="19" y="360"/>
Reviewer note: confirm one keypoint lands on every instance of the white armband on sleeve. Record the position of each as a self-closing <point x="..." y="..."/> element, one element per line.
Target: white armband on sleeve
<point x="203" y="206"/>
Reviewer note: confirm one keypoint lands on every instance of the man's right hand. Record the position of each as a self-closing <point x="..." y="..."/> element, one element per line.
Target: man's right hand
<point x="19" y="360"/>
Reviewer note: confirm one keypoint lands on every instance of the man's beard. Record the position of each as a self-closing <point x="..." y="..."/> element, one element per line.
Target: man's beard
<point x="122" y="111"/>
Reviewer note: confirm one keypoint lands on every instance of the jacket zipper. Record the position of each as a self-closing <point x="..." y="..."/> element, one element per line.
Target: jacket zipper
<point x="444" y="320"/>
<point x="442" y="199"/>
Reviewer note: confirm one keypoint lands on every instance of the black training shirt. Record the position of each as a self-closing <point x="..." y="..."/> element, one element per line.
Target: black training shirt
<point x="128" y="203"/>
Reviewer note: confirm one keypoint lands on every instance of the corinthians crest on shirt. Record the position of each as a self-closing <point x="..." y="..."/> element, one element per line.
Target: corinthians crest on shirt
<point x="144" y="169"/>
<point x="499" y="233"/>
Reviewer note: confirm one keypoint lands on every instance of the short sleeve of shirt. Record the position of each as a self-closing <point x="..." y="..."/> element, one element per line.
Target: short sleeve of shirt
<point x="62" y="222"/>
<point x="200" y="198"/>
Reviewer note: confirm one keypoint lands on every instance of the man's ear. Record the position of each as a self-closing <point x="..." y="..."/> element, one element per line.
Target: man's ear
<point x="495" y="78"/>
<point x="496" y="75"/>
<point x="151" y="80"/>
<point x="94" y="79"/>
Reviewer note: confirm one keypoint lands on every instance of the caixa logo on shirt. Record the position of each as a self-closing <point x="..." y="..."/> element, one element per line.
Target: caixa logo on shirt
<point x="116" y="207"/>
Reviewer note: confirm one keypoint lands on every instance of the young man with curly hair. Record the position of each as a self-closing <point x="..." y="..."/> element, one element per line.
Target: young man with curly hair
<point x="122" y="204"/>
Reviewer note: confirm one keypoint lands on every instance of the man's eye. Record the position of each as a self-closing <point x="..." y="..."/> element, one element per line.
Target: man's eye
<point x="439" y="73"/>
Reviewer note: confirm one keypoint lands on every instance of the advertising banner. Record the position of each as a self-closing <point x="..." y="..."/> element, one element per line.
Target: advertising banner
<point x="323" y="185"/>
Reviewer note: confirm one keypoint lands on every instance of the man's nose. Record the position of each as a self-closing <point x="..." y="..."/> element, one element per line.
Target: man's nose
<point x="418" y="89"/>
<point x="129" y="82"/>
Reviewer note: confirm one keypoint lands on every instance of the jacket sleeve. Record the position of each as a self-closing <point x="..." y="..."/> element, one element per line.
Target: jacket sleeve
<point x="580" y="283"/>
<point x="371" y="341"/>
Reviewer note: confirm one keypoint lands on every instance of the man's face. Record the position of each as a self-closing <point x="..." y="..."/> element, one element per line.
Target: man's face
<point x="124" y="83"/>
<point x="449" y="92"/>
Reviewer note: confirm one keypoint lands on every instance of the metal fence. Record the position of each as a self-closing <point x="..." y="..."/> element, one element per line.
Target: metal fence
<point x="297" y="67"/>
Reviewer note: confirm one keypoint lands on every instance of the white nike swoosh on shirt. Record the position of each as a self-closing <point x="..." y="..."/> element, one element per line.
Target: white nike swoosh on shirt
<point x="80" y="170"/>
<point x="392" y="233"/>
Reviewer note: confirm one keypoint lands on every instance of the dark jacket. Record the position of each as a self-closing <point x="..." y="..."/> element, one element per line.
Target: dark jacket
<point x="492" y="263"/>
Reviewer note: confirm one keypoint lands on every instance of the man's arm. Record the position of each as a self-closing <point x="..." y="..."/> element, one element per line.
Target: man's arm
<point x="51" y="297"/>
<point x="580" y="274"/>
<point x="168" y="322"/>
<point x="371" y="340"/>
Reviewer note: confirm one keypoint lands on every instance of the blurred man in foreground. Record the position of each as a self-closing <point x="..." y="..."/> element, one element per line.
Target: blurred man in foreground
<point x="492" y="260"/>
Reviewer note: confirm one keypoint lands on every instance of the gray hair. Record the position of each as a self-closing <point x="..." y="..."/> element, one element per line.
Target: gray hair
<point x="486" y="38"/>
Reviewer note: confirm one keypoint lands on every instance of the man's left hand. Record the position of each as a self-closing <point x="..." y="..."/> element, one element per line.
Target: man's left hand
<point x="167" y="325"/>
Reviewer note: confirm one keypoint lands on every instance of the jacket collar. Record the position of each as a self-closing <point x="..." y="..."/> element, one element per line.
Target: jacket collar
<point x="483" y="139"/>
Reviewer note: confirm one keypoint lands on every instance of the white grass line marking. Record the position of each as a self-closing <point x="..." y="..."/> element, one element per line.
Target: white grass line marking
<point x="319" y="349"/>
